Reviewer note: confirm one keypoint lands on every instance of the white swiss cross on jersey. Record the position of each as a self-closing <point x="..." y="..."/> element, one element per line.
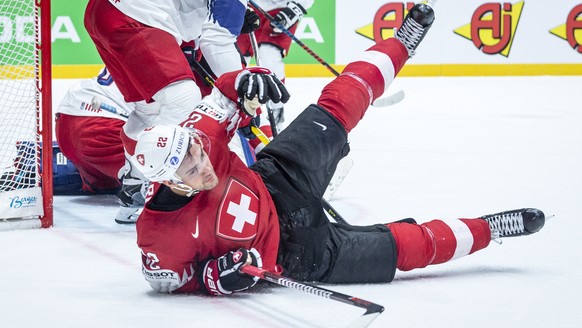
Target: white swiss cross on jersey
<point x="237" y="219"/>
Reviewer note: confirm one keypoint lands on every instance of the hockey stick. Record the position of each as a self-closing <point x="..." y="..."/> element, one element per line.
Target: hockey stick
<point x="294" y="38"/>
<point x="270" y="114"/>
<point x="343" y="168"/>
<point x="390" y="100"/>
<point x="373" y="310"/>
<point x="97" y="103"/>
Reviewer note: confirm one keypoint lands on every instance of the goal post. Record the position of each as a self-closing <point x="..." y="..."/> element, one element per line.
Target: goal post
<point x="26" y="190"/>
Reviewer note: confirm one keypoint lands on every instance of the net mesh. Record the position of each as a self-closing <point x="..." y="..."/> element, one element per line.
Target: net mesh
<point x="19" y="96"/>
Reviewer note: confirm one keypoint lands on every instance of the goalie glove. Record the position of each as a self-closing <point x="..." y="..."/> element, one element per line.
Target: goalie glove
<point x="288" y="16"/>
<point x="251" y="21"/>
<point x="221" y="276"/>
<point x="256" y="86"/>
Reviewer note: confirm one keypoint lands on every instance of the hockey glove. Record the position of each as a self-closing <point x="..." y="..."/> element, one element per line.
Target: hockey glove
<point x="199" y="65"/>
<point x="288" y="16"/>
<point x="257" y="85"/>
<point x="221" y="276"/>
<point x="251" y="21"/>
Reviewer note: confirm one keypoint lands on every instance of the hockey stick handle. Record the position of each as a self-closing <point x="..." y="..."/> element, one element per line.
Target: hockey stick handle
<point x="270" y="113"/>
<point x="294" y="38"/>
<point x="371" y="308"/>
<point x="97" y="103"/>
<point x="332" y="212"/>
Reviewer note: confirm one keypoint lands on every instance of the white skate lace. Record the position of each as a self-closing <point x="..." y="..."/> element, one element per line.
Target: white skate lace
<point x="410" y="34"/>
<point x="506" y="224"/>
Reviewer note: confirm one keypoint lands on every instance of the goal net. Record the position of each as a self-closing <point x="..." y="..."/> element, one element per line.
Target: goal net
<point x="25" y="114"/>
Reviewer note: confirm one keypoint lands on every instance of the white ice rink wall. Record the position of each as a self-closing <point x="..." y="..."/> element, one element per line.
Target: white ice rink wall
<point x="472" y="37"/>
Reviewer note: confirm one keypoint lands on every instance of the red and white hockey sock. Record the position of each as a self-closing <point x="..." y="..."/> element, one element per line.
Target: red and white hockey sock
<point x="362" y="81"/>
<point x="438" y="241"/>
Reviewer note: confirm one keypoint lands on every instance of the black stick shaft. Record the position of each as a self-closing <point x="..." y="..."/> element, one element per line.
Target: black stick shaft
<point x="294" y="38"/>
<point x="371" y="308"/>
<point x="270" y="113"/>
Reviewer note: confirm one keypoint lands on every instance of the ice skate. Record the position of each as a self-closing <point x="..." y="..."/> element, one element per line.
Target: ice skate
<point x="515" y="223"/>
<point x="131" y="196"/>
<point x="415" y="26"/>
<point x="131" y="200"/>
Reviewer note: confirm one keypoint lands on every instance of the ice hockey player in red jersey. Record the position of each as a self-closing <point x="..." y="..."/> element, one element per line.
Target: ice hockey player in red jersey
<point x="206" y="214"/>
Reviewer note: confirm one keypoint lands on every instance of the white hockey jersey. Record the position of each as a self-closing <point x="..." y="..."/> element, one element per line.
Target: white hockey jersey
<point x="77" y="101"/>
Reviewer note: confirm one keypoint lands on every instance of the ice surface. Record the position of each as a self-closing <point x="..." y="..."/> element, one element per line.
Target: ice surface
<point x="454" y="147"/>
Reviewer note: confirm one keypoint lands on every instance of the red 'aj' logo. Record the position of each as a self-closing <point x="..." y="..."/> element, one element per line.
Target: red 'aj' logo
<point x="140" y="159"/>
<point x="572" y="30"/>
<point x="492" y="28"/>
<point x="388" y="17"/>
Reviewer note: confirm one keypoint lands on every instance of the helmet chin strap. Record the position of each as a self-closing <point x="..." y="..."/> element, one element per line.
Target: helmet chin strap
<point x="180" y="186"/>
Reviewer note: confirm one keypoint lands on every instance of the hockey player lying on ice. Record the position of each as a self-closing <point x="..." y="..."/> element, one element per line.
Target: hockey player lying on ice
<point x="207" y="214"/>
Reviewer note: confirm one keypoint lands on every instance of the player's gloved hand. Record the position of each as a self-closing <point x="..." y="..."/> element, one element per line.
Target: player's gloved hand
<point x="221" y="276"/>
<point x="251" y="21"/>
<point x="247" y="131"/>
<point x="257" y="85"/>
<point x="288" y="16"/>
<point x="198" y="65"/>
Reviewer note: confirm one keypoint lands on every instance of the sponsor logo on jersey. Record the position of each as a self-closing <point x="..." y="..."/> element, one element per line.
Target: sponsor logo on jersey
<point x="210" y="110"/>
<point x="493" y="26"/>
<point x="237" y="216"/>
<point x="571" y="31"/>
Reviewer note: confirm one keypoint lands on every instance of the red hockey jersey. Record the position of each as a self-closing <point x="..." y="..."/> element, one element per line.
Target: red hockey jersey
<point x="238" y="212"/>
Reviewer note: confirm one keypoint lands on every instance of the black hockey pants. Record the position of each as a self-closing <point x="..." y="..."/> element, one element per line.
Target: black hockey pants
<point x="296" y="167"/>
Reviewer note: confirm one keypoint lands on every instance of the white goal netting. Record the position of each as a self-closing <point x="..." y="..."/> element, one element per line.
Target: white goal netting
<point x="21" y="129"/>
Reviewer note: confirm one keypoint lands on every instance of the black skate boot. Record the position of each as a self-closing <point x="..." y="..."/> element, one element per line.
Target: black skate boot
<point x="131" y="196"/>
<point x="415" y="26"/>
<point x="131" y="200"/>
<point x="515" y="223"/>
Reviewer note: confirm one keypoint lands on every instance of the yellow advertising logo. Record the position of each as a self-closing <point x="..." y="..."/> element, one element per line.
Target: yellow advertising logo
<point x="387" y="18"/>
<point x="572" y="30"/>
<point x="492" y="28"/>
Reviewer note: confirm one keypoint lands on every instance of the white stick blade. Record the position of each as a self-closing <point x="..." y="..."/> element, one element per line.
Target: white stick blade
<point x="390" y="100"/>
